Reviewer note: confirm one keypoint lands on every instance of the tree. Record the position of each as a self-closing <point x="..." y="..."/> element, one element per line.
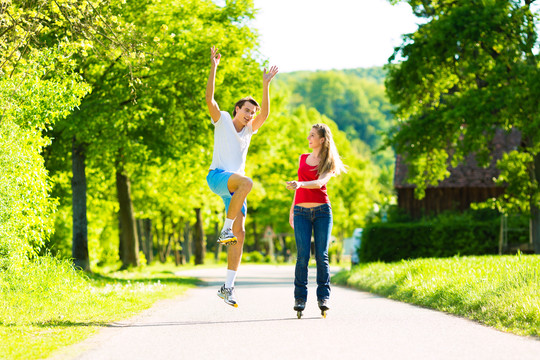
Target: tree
<point x="355" y="99"/>
<point x="273" y="159"/>
<point x="469" y="71"/>
<point x="32" y="98"/>
<point x="165" y="122"/>
<point x="76" y="27"/>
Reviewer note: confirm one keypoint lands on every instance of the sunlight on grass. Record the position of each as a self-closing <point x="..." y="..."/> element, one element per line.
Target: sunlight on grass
<point x="503" y="292"/>
<point x="45" y="305"/>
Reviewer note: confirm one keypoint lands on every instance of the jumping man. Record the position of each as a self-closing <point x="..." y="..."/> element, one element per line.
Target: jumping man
<point x="226" y="177"/>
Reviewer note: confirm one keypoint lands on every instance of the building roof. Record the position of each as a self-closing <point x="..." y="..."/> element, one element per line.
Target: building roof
<point x="467" y="174"/>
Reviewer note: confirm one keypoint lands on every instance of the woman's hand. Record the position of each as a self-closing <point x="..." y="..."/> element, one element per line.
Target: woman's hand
<point x="293" y="185"/>
<point x="291" y="219"/>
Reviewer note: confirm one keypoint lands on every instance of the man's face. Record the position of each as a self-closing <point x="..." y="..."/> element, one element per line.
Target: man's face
<point x="246" y="113"/>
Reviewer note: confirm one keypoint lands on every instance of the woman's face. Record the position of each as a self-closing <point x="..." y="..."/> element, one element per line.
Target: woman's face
<point x="315" y="141"/>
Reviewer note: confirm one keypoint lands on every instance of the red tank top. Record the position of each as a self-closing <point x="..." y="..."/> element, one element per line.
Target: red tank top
<point x="309" y="173"/>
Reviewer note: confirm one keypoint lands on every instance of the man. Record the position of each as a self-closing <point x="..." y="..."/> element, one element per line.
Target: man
<point x="227" y="177"/>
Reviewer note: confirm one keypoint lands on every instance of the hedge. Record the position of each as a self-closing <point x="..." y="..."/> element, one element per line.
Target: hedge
<point x="390" y="242"/>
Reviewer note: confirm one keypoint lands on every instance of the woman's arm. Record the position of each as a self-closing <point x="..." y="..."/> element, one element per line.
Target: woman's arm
<point x="314" y="184"/>
<point x="291" y="213"/>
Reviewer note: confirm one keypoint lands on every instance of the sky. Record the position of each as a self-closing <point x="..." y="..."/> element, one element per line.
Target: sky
<point x="330" y="34"/>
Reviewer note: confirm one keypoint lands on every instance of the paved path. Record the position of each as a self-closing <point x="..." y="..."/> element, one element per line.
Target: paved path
<point x="264" y="326"/>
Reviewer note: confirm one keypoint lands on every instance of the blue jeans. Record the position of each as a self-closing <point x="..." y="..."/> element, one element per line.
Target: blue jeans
<point x="317" y="220"/>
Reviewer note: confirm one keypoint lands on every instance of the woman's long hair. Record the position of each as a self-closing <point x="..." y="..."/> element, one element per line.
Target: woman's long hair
<point x="330" y="161"/>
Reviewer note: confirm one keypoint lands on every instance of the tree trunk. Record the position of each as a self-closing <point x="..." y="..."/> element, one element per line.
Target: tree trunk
<point x="186" y="247"/>
<point x="158" y="245"/>
<point x="147" y="231"/>
<point x="535" y="209"/>
<point x="218" y="247"/>
<point x="283" y="246"/>
<point x="200" y="243"/>
<point x="144" y="232"/>
<point x="256" y="242"/>
<point x="140" y="236"/>
<point x="79" y="250"/>
<point x="121" y="251"/>
<point x="178" y="257"/>
<point x="162" y="242"/>
<point x="130" y="243"/>
<point x="171" y="241"/>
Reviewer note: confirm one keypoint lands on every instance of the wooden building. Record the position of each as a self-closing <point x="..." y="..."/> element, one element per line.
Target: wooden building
<point x="468" y="183"/>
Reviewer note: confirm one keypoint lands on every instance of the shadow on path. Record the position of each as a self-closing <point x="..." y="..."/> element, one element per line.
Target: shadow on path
<point x="195" y="323"/>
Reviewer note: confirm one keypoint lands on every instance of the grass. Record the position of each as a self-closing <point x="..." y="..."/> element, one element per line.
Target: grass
<point x="45" y="304"/>
<point x="499" y="291"/>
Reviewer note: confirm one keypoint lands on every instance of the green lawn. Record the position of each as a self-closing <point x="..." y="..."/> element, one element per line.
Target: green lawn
<point x="46" y="305"/>
<point x="499" y="291"/>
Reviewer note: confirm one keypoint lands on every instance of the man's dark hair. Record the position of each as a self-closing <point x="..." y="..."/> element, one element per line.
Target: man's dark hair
<point x="241" y="103"/>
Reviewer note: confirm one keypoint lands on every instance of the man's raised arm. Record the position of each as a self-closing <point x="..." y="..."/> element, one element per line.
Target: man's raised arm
<point x="265" y="106"/>
<point x="213" y="107"/>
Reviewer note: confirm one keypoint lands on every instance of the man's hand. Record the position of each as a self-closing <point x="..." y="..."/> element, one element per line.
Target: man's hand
<point x="215" y="56"/>
<point x="268" y="76"/>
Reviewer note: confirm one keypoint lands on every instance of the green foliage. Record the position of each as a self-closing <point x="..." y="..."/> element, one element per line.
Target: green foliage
<point x="499" y="291"/>
<point x="255" y="257"/>
<point x="443" y="236"/>
<point x="162" y="140"/>
<point x="273" y="159"/>
<point x="352" y="98"/>
<point x="147" y="66"/>
<point x="31" y="102"/>
<point x="373" y="74"/>
<point x="470" y="70"/>
<point x="515" y="174"/>
<point x="82" y="26"/>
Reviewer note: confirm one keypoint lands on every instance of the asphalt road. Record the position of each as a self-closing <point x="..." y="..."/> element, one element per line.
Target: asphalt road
<point x="359" y="325"/>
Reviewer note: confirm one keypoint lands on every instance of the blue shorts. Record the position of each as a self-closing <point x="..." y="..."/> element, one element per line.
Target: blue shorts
<point x="217" y="180"/>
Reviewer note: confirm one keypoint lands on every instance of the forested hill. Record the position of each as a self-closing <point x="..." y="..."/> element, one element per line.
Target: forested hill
<point x="354" y="98"/>
<point x="376" y="74"/>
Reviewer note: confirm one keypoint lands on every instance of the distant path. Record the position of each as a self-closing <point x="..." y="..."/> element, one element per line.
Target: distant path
<point x="359" y="326"/>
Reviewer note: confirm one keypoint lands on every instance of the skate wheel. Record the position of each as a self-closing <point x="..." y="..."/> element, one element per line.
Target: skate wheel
<point x="323" y="313"/>
<point x="299" y="314"/>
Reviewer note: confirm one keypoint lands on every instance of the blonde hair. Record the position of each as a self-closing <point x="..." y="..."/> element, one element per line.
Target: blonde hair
<point x="330" y="161"/>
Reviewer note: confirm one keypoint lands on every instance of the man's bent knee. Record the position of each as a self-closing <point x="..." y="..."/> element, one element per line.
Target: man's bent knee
<point x="239" y="183"/>
<point x="246" y="184"/>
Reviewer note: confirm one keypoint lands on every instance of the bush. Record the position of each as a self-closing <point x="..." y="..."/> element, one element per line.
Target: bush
<point x="30" y="105"/>
<point x="443" y="236"/>
<point x="254" y="257"/>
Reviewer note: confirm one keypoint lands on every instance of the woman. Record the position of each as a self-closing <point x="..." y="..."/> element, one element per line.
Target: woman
<point x="311" y="213"/>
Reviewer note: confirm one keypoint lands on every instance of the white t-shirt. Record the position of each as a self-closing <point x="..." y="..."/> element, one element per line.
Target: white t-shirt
<point x="230" y="146"/>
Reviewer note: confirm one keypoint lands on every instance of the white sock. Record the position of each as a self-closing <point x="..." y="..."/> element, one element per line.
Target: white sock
<point x="228" y="224"/>
<point x="231" y="276"/>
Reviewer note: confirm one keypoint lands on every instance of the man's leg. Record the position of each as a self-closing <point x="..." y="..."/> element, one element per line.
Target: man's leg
<point x="240" y="186"/>
<point x="234" y="255"/>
